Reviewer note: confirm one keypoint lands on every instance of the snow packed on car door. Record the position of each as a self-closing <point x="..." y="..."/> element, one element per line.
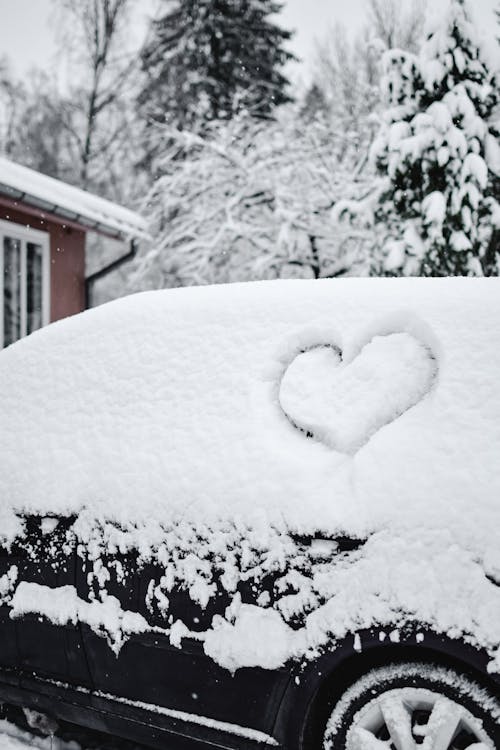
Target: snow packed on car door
<point x="145" y="668"/>
<point x="47" y="633"/>
<point x="9" y="657"/>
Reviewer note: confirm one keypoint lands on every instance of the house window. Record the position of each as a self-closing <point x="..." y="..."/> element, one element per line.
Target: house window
<point x="24" y="281"/>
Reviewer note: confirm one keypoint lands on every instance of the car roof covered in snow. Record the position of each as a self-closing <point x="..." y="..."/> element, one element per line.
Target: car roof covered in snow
<point x="336" y="404"/>
<point x="67" y="202"/>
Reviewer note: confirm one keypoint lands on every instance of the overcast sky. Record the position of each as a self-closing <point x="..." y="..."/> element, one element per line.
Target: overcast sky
<point x="26" y="27"/>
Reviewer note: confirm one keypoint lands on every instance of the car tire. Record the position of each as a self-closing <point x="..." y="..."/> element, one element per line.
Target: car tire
<point x="408" y="706"/>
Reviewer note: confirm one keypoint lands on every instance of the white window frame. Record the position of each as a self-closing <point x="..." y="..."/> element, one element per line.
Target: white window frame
<point x="37" y="237"/>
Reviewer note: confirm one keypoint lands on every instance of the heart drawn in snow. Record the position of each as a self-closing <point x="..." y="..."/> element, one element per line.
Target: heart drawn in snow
<point x="342" y="403"/>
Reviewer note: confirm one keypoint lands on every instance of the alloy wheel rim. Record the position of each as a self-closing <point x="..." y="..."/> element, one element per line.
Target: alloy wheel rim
<point x="416" y="719"/>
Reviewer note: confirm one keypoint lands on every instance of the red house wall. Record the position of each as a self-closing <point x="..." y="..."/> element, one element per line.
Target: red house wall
<point x="67" y="258"/>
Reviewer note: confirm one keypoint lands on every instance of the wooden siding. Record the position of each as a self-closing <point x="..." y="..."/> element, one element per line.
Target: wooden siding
<point x="67" y="257"/>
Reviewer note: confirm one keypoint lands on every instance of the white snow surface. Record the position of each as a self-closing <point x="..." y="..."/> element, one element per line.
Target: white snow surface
<point x="158" y="420"/>
<point x="344" y="404"/>
<point x="14" y="738"/>
<point x="63" y="606"/>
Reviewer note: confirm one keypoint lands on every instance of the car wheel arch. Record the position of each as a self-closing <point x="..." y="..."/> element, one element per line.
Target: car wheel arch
<point x="315" y="686"/>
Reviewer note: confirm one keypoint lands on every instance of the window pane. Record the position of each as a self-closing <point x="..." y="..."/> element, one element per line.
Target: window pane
<point x="11" y="290"/>
<point x="33" y="286"/>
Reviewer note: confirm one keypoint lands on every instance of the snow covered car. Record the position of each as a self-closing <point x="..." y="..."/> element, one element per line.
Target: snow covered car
<point x="262" y="514"/>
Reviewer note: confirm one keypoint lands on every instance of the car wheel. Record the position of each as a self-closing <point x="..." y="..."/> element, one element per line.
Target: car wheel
<point x="414" y="707"/>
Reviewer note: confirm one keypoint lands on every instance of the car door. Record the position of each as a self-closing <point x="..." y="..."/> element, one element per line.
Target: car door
<point x="9" y="655"/>
<point x="45" y="648"/>
<point x="150" y="671"/>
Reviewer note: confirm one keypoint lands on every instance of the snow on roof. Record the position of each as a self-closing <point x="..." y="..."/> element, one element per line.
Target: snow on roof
<point x="237" y="417"/>
<point x="68" y="202"/>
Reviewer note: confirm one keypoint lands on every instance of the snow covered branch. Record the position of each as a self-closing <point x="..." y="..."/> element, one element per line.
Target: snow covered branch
<point x="251" y="199"/>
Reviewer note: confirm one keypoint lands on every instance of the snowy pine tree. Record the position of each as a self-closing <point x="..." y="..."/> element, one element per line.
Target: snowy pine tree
<point x="209" y="58"/>
<point x="439" y="151"/>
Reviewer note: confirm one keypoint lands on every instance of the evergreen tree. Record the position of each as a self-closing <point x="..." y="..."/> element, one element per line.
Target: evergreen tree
<point x="207" y="59"/>
<point x="346" y="70"/>
<point x="439" y="151"/>
<point x="314" y="104"/>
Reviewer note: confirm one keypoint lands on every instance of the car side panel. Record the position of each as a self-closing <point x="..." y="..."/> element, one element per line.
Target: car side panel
<point x="9" y="655"/>
<point x="135" y="723"/>
<point x="43" y="648"/>
<point x="148" y="669"/>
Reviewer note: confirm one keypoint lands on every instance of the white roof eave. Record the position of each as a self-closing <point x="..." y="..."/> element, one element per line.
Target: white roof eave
<point x="68" y="202"/>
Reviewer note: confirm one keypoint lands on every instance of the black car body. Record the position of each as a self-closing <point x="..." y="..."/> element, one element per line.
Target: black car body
<point x="165" y="696"/>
